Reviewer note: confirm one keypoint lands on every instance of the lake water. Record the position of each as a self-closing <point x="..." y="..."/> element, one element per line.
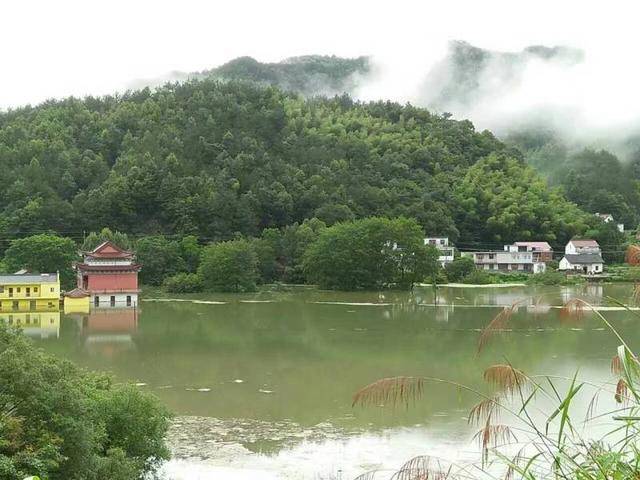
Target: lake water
<point x="262" y="384"/>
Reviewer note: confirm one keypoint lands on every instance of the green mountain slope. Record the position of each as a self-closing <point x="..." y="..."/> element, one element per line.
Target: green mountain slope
<point x="216" y="159"/>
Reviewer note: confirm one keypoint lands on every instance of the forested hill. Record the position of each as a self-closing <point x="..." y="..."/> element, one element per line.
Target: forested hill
<point x="308" y="75"/>
<point x="217" y="159"/>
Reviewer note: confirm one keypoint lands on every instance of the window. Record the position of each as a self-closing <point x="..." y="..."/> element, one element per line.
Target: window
<point x="35" y="289"/>
<point x="11" y="291"/>
<point x="96" y="301"/>
<point x="1" y="289"/>
<point x="112" y="301"/>
<point x="53" y="289"/>
<point x="17" y="289"/>
<point x="50" y="304"/>
<point x="15" y="305"/>
<point x="28" y="291"/>
<point x="128" y="300"/>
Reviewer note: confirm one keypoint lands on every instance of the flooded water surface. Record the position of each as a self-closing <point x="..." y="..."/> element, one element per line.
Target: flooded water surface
<point x="262" y="385"/>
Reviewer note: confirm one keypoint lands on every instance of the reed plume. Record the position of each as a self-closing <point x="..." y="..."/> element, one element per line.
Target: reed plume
<point x="621" y="391"/>
<point x="391" y="390"/>
<point x="574" y="309"/>
<point x="616" y="365"/>
<point x="493" y="436"/>
<point x="483" y="411"/>
<point x="422" y="467"/>
<point x="505" y="377"/>
<point x="498" y="324"/>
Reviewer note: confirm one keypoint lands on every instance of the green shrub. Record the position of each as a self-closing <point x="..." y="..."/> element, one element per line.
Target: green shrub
<point x="459" y="268"/>
<point x="478" y="277"/>
<point x="183" y="283"/>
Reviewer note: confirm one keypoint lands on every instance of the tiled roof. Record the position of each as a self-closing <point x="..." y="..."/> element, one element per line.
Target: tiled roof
<point x="77" y="293"/>
<point x="31" y="278"/>
<point x="584" y="258"/>
<point x="585" y="243"/>
<point x="540" y="246"/>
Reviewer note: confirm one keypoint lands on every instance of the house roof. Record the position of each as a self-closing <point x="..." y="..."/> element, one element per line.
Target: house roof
<point x="584" y="243"/>
<point x="31" y="278"/>
<point x="77" y="293"/>
<point x="539" y="246"/>
<point x="109" y="250"/>
<point x="85" y="267"/>
<point x="584" y="258"/>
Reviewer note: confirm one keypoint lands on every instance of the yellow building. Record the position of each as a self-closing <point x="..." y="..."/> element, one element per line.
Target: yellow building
<point x="76" y="301"/>
<point x="42" y="324"/>
<point x="29" y="292"/>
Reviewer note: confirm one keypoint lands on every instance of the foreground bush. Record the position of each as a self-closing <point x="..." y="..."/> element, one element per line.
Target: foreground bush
<point x="60" y="422"/>
<point x="183" y="283"/>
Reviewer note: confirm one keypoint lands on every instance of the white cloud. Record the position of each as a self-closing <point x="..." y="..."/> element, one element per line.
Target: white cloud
<point x="54" y="49"/>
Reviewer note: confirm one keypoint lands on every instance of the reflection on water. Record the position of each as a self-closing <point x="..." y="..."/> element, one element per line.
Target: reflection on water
<point x="263" y="383"/>
<point x="36" y="324"/>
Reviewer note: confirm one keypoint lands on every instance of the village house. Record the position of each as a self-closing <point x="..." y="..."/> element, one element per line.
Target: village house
<point x="442" y="244"/>
<point x="542" y="251"/>
<point x="608" y="218"/>
<point x="511" y="259"/>
<point x="582" y="256"/>
<point x="110" y="276"/>
<point x="24" y="291"/>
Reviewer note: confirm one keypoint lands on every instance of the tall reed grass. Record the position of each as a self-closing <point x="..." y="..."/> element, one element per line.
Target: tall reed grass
<point x="516" y="436"/>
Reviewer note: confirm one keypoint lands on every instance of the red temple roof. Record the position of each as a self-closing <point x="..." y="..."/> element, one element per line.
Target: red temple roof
<point x="109" y="250"/>
<point x="134" y="267"/>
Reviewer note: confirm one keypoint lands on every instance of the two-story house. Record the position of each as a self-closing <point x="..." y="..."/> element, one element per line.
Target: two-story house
<point x="542" y="251"/>
<point x="582" y="256"/>
<point x="511" y="259"/>
<point x="29" y="292"/>
<point x="442" y="244"/>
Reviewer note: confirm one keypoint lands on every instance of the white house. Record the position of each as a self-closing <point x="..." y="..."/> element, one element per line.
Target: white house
<point x="508" y="260"/>
<point x="581" y="246"/>
<point x="607" y="218"/>
<point x="442" y="244"/>
<point x="583" y="256"/>
<point x="588" y="263"/>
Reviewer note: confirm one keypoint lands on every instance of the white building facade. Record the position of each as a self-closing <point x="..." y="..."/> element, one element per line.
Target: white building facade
<point x="442" y="244"/>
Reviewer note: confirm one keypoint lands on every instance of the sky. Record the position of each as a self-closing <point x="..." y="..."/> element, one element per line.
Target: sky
<point x="55" y="49"/>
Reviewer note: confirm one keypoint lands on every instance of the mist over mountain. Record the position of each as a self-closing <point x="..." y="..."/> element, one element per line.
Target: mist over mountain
<point x="526" y="97"/>
<point x="309" y="75"/>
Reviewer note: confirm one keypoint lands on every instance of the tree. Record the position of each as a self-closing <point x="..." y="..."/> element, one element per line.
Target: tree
<point x="60" y="422"/>
<point x="43" y="253"/>
<point x="117" y="238"/>
<point x="459" y="268"/>
<point x="501" y="199"/>
<point x="230" y="266"/>
<point x="368" y="254"/>
<point x="160" y="258"/>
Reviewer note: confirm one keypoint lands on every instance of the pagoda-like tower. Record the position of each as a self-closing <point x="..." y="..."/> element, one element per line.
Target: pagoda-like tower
<point x="110" y="275"/>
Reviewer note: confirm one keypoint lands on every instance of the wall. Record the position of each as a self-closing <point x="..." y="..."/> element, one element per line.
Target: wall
<point x="114" y="281"/>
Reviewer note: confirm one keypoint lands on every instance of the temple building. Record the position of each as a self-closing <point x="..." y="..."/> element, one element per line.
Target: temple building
<point x="110" y="275"/>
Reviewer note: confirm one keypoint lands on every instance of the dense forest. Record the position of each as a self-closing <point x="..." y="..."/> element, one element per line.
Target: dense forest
<point x="221" y="159"/>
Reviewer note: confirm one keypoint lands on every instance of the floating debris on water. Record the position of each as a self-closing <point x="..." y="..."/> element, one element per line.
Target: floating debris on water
<point x="185" y="300"/>
<point x="238" y="380"/>
<point x="265" y="391"/>
<point x="204" y="390"/>
<point x="355" y="304"/>
<point x="164" y="387"/>
<point x="140" y="384"/>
